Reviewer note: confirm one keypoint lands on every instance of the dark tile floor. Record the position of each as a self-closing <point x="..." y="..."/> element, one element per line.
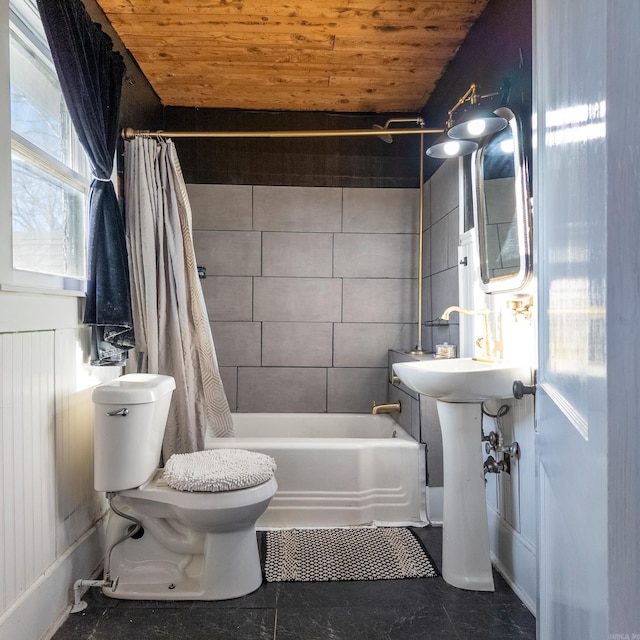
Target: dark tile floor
<point x="373" y="610"/>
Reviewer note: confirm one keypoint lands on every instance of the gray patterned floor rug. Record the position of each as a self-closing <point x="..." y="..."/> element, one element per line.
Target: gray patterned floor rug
<point x="321" y="555"/>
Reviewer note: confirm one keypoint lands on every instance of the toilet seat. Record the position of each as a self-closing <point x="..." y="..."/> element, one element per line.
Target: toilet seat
<point x="157" y="490"/>
<point x="218" y="470"/>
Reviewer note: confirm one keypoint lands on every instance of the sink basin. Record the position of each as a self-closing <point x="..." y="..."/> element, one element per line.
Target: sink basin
<point x="462" y="379"/>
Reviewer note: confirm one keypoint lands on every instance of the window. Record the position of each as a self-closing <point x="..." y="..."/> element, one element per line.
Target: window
<point x="50" y="173"/>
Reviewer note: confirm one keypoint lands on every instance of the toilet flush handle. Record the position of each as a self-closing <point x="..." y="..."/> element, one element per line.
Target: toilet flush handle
<point x="121" y="412"/>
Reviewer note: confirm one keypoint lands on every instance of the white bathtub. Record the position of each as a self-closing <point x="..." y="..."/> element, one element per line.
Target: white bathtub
<point x="336" y="469"/>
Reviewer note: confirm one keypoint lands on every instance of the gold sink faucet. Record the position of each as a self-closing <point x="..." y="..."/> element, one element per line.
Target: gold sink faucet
<point x="485" y="342"/>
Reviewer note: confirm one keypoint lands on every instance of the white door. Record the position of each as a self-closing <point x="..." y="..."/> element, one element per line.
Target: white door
<point x="570" y="177"/>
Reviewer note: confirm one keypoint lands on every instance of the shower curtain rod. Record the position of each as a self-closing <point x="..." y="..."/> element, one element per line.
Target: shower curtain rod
<point x="129" y="133"/>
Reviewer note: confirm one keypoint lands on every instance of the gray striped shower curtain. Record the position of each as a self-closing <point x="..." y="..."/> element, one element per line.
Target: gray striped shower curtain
<point x="173" y="335"/>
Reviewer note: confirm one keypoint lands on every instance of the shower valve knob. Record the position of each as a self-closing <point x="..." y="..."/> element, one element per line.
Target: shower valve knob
<point x="513" y="449"/>
<point x="491" y="465"/>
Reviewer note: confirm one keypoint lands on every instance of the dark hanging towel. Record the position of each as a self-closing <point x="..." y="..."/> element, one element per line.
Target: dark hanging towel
<point x="91" y="75"/>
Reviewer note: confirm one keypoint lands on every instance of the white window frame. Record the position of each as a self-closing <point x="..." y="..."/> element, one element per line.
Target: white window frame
<point x="12" y="279"/>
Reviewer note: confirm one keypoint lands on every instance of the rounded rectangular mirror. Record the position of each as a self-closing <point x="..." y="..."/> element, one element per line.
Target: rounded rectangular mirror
<point x="501" y="208"/>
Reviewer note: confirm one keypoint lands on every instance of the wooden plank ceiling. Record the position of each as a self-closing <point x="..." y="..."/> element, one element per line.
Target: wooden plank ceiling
<point x="299" y="55"/>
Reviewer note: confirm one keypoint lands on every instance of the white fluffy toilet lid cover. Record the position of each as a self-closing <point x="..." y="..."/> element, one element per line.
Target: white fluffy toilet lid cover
<point x="218" y="470"/>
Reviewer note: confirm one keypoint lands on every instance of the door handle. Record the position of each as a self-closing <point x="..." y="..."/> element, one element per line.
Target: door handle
<point x="520" y="390"/>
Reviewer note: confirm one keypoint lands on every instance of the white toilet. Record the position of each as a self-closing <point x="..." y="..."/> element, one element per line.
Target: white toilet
<point x="192" y="545"/>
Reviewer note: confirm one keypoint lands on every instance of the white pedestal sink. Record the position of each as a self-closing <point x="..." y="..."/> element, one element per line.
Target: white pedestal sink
<point x="459" y="386"/>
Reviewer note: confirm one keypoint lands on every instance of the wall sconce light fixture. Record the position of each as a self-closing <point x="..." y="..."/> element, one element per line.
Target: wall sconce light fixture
<point x="475" y="122"/>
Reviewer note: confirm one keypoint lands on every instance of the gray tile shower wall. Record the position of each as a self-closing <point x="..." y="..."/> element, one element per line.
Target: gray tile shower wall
<point x="440" y="237"/>
<point x="419" y="416"/>
<point x="440" y="289"/>
<point x="307" y="289"/>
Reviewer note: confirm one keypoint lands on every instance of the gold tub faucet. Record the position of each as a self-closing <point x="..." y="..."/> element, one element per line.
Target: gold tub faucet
<point x="390" y="407"/>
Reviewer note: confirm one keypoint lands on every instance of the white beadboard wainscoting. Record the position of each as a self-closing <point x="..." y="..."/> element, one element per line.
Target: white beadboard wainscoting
<point x="49" y="514"/>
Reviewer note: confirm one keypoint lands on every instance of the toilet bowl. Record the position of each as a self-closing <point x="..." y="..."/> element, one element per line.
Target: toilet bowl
<point x="163" y="543"/>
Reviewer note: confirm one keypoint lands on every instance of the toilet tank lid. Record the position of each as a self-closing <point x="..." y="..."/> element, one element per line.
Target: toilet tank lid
<point x="133" y="388"/>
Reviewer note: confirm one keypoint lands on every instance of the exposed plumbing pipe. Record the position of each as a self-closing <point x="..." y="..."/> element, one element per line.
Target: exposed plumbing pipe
<point x="107" y="581"/>
<point x="386" y="135"/>
<point x="107" y="563"/>
<point x="418" y="348"/>
<point x="81" y="605"/>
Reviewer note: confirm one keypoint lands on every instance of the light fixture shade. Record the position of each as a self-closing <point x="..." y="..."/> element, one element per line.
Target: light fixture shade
<point x="477" y="123"/>
<point x="445" y="148"/>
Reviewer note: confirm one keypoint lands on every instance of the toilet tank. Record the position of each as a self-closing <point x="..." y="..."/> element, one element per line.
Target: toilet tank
<point x="129" y="423"/>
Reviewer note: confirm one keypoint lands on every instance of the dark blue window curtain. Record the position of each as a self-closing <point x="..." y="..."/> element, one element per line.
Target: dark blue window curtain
<point x="91" y="75"/>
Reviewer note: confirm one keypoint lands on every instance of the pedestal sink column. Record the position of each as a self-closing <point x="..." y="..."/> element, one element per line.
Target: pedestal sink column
<point x="466" y="562"/>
